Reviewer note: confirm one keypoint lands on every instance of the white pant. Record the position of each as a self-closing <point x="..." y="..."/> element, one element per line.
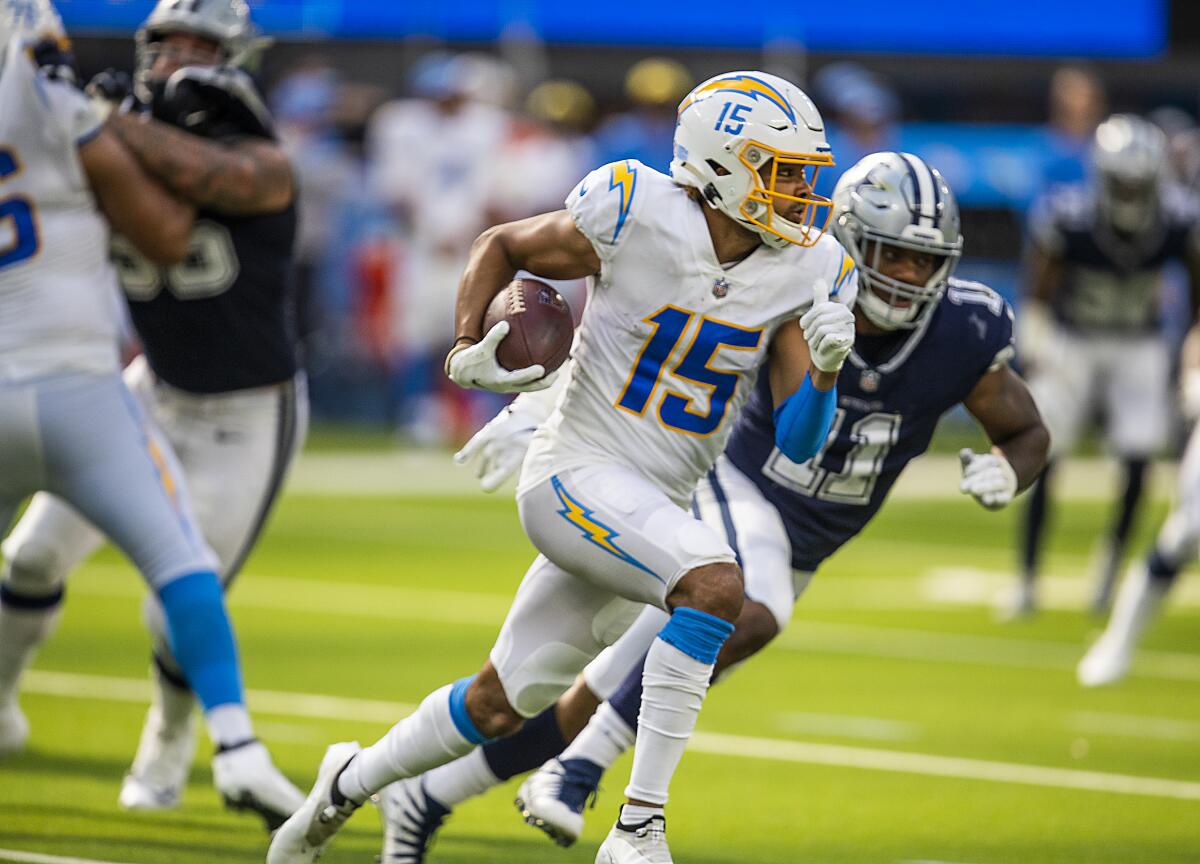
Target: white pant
<point x="234" y="449"/>
<point x="727" y="500"/>
<point x="1127" y="378"/>
<point x="1179" y="538"/>
<point x="611" y="542"/>
<point x="84" y="438"/>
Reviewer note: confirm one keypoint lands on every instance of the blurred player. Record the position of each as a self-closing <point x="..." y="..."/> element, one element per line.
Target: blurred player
<point x="925" y="342"/>
<point x="1147" y="582"/>
<point x="219" y="373"/>
<point x="1090" y="329"/>
<point x="67" y="423"/>
<point x="704" y="273"/>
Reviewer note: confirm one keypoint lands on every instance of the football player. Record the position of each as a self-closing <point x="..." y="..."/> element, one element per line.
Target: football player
<point x="219" y="369"/>
<point x="925" y="342"/>
<point x="1147" y="583"/>
<point x="68" y="425"/>
<point x="1090" y="329"/>
<point x="696" y="280"/>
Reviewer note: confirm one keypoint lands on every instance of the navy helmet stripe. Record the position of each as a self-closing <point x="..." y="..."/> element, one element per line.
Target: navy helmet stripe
<point x="923" y="189"/>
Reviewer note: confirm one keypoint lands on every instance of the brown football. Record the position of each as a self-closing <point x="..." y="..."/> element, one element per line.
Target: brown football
<point x="539" y="321"/>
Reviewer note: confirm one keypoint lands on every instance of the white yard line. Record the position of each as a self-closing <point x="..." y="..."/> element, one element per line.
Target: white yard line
<point x="846" y="726"/>
<point x="38" y="858"/>
<point x="1133" y="726"/>
<point x="770" y="749"/>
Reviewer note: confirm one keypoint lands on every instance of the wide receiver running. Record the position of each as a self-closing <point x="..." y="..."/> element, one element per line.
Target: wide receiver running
<point x="68" y="425"/>
<point x="925" y="342"/>
<point x="695" y="280"/>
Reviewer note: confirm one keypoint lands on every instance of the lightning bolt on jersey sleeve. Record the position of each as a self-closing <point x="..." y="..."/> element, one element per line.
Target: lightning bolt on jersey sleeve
<point x="604" y="204"/>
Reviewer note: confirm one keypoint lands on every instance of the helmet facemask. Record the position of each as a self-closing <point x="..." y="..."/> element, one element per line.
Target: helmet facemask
<point x="763" y="206"/>
<point x="890" y="303"/>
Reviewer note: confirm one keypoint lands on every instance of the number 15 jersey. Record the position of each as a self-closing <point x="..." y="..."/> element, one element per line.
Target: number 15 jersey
<point x="670" y="341"/>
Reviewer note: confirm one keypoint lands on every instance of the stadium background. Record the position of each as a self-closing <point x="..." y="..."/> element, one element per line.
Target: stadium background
<point x="896" y="721"/>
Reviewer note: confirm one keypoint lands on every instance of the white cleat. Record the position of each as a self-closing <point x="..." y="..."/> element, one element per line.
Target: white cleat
<point x="1106" y="662"/>
<point x="303" y="837"/>
<point x="552" y="798"/>
<point x="14" y="728"/>
<point x="636" y="844"/>
<point x="248" y="780"/>
<point x="160" y="769"/>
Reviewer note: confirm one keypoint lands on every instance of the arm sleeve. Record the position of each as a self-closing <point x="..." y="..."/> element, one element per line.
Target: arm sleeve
<point x="803" y="421"/>
<point x="73" y="112"/>
<point x="844" y="286"/>
<point x="604" y="205"/>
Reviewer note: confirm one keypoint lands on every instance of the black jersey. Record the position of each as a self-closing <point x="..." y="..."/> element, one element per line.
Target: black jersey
<point x="886" y="415"/>
<point x="1110" y="283"/>
<point x="223" y="318"/>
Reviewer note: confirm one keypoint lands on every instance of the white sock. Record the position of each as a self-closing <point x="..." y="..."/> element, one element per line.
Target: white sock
<point x="455" y="782"/>
<point x="21" y="632"/>
<point x="603" y="740"/>
<point x="229" y="724"/>
<point x="420" y="742"/>
<point x="174" y="704"/>
<point x="673" y="688"/>
<point x="1137" y="603"/>
<point x="635" y="814"/>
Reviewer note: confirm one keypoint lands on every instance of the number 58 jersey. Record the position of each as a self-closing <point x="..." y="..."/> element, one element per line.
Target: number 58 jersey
<point x="59" y="305"/>
<point x="671" y="341"/>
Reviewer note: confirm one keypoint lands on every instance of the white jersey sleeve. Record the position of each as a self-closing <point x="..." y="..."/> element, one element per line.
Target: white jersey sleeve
<point x="843" y="287"/>
<point x="605" y="205"/>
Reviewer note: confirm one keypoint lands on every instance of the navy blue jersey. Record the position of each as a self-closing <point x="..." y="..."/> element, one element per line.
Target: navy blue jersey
<point x="888" y="407"/>
<point x="223" y="318"/>
<point x="1110" y="282"/>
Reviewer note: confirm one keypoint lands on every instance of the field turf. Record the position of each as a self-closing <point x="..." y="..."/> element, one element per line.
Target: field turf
<point x="896" y="721"/>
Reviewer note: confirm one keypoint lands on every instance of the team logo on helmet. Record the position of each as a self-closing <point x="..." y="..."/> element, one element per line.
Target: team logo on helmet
<point x="747" y="85"/>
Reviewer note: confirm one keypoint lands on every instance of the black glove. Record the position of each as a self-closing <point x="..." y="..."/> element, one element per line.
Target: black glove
<point x="111" y="85"/>
<point x="212" y="102"/>
<point x="56" y="60"/>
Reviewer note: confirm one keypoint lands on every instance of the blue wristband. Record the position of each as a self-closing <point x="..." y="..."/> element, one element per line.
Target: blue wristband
<point x="803" y="421"/>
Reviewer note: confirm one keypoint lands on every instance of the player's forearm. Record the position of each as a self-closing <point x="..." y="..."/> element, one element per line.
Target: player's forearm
<point x="1026" y="453"/>
<point x="206" y="173"/>
<point x="489" y="269"/>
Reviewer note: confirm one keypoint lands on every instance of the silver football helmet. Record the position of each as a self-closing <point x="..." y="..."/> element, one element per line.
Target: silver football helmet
<point x="896" y="199"/>
<point x="1129" y="155"/>
<point x="225" y="22"/>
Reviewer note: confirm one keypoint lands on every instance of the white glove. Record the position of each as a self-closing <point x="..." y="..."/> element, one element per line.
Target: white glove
<point x="828" y="329"/>
<point x="475" y="366"/>
<point x="988" y="477"/>
<point x="1189" y="396"/>
<point x="500" y="446"/>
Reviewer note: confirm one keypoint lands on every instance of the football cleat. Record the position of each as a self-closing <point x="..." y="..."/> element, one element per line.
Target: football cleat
<point x="1106" y="662"/>
<point x="248" y="780"/>
<point x="644" y="843"/>
<point x="1137" y="603"/>
<point x="14" y="728"/>
<point x="160" y="769"/>
<point x="410" y="819"/>
<point x="553" y="797"/>
<point x="303" y="837"/>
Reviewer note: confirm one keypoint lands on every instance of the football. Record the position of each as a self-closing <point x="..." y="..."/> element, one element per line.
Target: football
<point x="540" y="325"/>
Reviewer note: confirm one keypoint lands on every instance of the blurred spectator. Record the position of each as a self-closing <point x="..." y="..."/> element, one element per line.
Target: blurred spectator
<point x="432" y="159"/>
<point x="861" y="113"/>
<point x="1183" y="143"/>
<point x="654" y="88"/>
<point x="1077" y="105"/>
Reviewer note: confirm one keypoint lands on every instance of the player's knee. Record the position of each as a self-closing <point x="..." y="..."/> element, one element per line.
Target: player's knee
<point x="713" y="588"/>
<point x="489" y="708"/>
<point x="32" y="567"/>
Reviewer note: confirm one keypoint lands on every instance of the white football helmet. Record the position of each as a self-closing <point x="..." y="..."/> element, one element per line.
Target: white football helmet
<point x="729" y="128"/>
<point x="225" y="22"/>
<point x="896" y="199"/>
<point x="31" y="20"/>
<point x="1130" y="158"/>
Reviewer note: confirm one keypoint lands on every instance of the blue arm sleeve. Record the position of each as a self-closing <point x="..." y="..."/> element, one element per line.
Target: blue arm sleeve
<point x="803" y="421"/>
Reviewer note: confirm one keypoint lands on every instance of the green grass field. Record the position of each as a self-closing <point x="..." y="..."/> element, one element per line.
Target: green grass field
<point x="894" y="722"/>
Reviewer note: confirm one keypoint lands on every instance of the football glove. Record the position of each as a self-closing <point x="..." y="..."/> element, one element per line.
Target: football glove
<point x="988" y="478"/>
<point x="498" y="449"/>
<point x="475" y="366"/>
<point x="828" y="329"/>
<point x="212" y="102"/>
<point x="108" y="89"/>
<point x="56" y="60"/>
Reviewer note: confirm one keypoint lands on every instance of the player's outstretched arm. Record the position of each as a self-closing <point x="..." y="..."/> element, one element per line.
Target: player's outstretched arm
<point x="805" y="396"/>
<point x="1004" y="407"/>
<point x="137" y="206"/>
<point x="241" y="178"/>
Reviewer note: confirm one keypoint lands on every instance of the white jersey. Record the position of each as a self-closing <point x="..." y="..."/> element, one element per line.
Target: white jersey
<point x="670" y="342"/>
<point x="59" y="303"/>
